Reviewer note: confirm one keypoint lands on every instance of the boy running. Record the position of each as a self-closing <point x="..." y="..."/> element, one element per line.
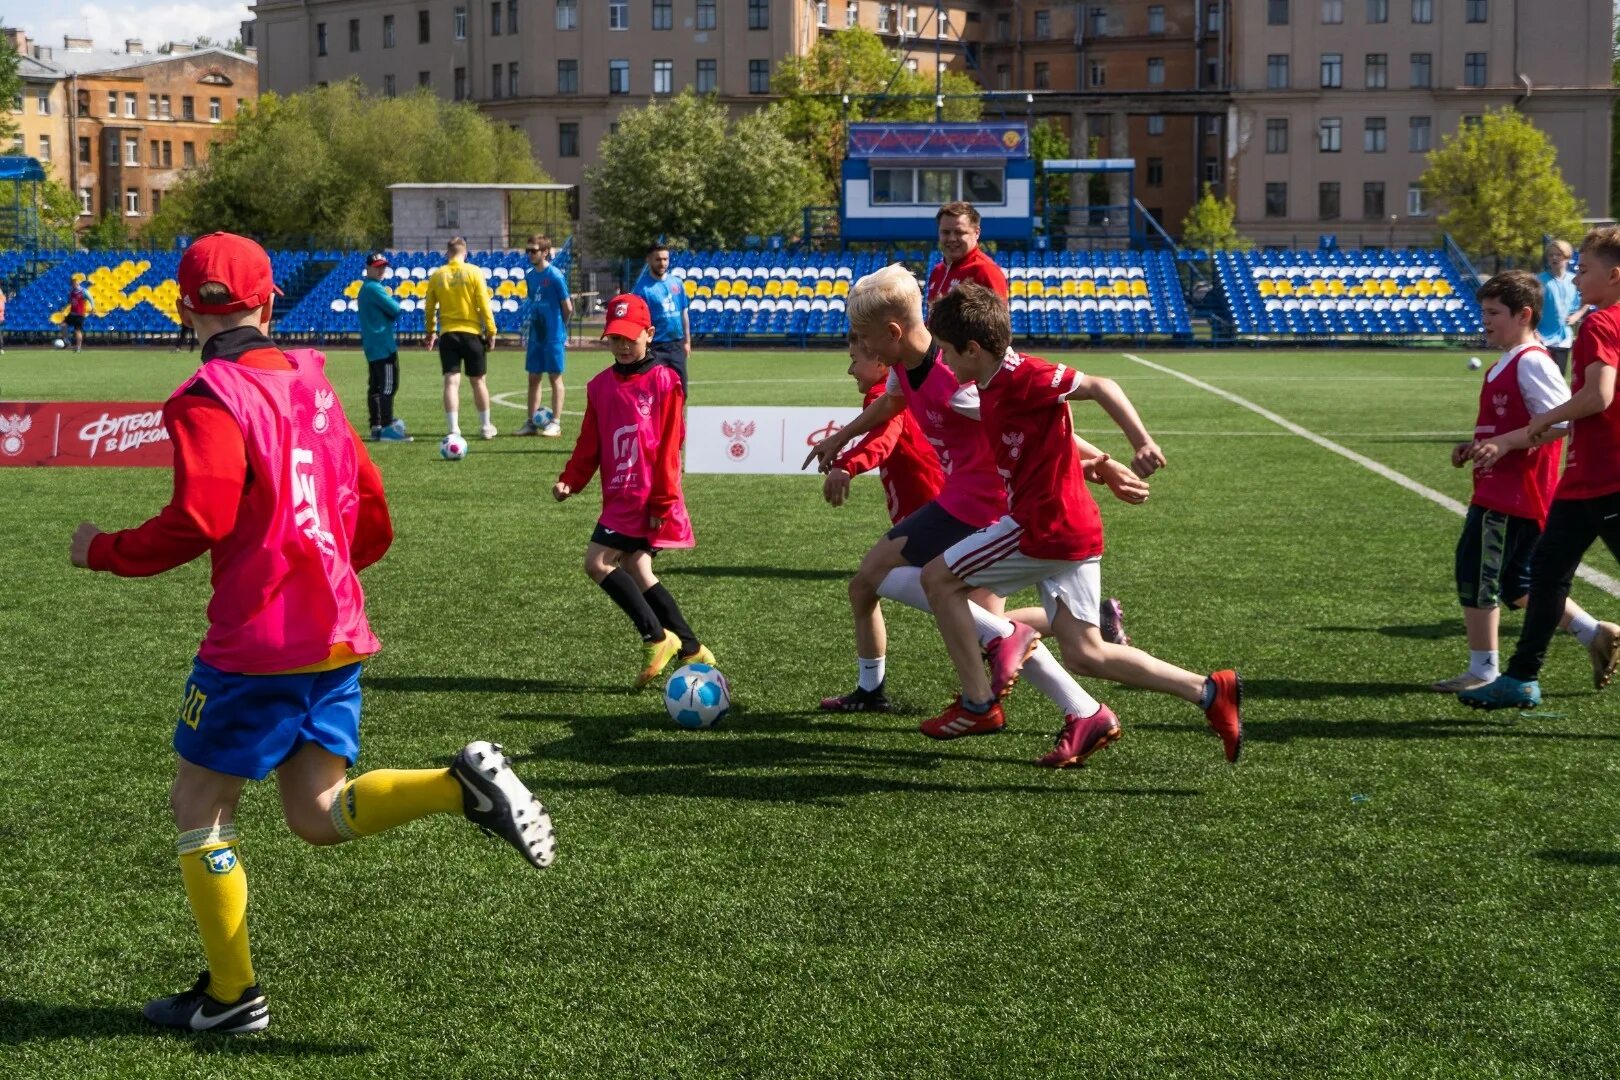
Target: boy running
<point x="885" y="311"/>
<point x="1513" y="486"/>
<point x="1051" y="538"/>
<point x="633" y="430"/>
<point x="275" y="485"/>
<point x="906" y="464"/>
<point x="1586" y="505"/>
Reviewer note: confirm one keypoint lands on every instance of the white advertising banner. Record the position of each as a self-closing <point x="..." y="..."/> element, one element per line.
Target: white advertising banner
<point x="758" y="438"/>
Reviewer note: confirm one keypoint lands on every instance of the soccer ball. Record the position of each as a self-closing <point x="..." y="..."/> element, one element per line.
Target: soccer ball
<point x="452" y="447"/>
<point x="697" y="696"/>
<point x="542" y="417"/>
<point x="1474" y="363"/>
<point x="58" y="344"/>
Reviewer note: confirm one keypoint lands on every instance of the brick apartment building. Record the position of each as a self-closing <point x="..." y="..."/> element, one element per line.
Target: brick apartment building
<point x="1245" y="95"/>
<point x="121" y="127"/>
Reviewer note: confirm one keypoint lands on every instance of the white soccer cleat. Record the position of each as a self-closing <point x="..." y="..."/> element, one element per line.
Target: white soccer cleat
<point x="552" y="430"/>
<point x="488" y="431"/>
<point x="494" y="799"/>
<point x="1458" y="683"/>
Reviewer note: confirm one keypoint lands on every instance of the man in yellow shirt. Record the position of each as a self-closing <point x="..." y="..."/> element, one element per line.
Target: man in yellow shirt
<point x="464" y="332"/>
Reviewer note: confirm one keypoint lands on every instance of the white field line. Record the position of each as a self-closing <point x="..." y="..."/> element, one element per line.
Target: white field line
<point x="1585" y="573"/>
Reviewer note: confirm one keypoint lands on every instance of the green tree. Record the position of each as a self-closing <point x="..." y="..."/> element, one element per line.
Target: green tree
<point x="1209" y="226"/>
<point x="58" y="212"/>
<point x="11" y="88"/>
<point x="1047" y="142"/>
<point x="879" y="85"/>
<point x="110" y="232"/>
<point x="680" y="169"/>
<point x="1499" y="190"/>
<point x="314" y="167"/>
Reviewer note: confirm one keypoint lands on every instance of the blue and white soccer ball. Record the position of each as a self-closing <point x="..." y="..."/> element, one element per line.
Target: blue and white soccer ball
<point x="542" y="416"/>
<point x="59" y="344"/>
<point x="452" y="447"/>
<point x="697" y="696"/>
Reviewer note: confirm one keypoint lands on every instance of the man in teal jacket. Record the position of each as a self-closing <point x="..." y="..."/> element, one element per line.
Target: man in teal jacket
<point x="378" y="312"/>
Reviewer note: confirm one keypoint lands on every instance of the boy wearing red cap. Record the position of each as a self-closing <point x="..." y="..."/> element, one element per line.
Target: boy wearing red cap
<point x="274" y="484"/>
<point x="633" y="430"/>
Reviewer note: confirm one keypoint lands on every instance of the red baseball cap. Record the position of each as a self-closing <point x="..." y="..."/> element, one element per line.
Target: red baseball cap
<point x="237" y="263"/>
<point x="627" y="316"/>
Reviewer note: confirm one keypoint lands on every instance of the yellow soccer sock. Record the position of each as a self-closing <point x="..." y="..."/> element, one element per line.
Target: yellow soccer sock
<point x="384" y="799"/>
<point x="216" y="887"/>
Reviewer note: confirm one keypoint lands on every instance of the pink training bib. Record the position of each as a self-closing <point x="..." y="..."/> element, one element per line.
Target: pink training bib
<point x="973" y="491"/>
<point x="284" y="590"/>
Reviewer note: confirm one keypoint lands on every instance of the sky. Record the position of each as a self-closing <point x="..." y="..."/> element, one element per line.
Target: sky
<point x="153" y="21"/>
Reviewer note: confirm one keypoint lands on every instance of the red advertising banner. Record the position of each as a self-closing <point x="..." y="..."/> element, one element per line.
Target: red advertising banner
<point x="118" y="433"/>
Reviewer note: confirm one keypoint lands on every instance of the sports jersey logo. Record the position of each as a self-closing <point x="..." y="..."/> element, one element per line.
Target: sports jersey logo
<point x="12" y="429"/>
<point x="626" y="446"/>
<point x="306" y="513"/>
<point x="738" y="432"/>
<point x="935" y="417"/>
<point x="324" y="400"/>
<point x="1500" y="402"/>
<point x="222" y="861"/>
<point x="1014" y="442"/>
<point x="644" y="401"/>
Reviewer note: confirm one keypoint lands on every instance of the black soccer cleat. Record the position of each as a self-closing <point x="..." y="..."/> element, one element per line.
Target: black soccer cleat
<point x="196" y="1010"/>
<point x="857" y="700"/>
<point x="494" y="799"/>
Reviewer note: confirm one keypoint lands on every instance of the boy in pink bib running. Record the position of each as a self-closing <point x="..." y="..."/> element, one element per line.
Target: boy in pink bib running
<point x="273" y="483"/>
<point x="633" y="430"/>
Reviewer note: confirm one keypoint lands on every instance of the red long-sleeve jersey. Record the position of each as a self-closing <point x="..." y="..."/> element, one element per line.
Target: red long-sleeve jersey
<point x="210" y="483"/>
<point x="907" y="466"/>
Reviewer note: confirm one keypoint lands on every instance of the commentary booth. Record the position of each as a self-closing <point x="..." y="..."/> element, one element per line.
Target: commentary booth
<point x="897" y="176"/>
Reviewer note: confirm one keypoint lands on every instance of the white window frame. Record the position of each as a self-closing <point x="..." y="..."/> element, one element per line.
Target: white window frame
<point x="618" y="14"/>
<point x="132" y="202"/>
<point x="458" y="23"/>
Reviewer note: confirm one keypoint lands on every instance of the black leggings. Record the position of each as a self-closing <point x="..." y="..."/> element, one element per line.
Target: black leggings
<point x="1572" y="525"/>
<point x="382" y="381"/>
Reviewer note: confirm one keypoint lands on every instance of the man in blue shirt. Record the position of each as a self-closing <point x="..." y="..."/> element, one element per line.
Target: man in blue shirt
<point x="666" y="299"/>
<point x="378" y="312"/>
<point x="550" y="308"/>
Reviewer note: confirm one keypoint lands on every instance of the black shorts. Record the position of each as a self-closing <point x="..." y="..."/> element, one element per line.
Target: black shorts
<point x="76" y="322"/>
<point x="619" y="541"/>
<point x="459" y="348"/>
<point x="1493" y="558"/>
<point x="928" y="532"/>
<point x="671" y="354"/>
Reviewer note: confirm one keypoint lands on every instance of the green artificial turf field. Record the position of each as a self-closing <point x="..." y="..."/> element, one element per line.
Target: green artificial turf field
<point x="1386" y="885"/>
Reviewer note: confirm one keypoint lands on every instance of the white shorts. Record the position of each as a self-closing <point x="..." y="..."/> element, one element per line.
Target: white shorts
<point x="990" y="559"/>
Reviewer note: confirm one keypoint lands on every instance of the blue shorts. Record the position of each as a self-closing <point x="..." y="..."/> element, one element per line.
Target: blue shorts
<point x="249" y="725"/>
<point x="544" y="357"/>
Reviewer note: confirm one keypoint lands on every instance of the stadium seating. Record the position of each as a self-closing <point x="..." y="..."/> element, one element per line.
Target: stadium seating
<point x="330" y="308"/>
<point x="1064" y="295"/>
<point x="134" y="292"/>
<point x="793" y="296"/>
<point x="769" y="294"/>
<point x="1377" y="293"/>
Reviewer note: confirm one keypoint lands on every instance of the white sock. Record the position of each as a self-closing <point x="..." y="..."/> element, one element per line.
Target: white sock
<point x="1584" y="627"/>
<point x="451" y="421"/>
<point x="905" y="585"/>
<point x="1052" y="679"/>
<point x="483" y="417"/>
<point x="871" y="673"/>
<point x="1482" y="663"/>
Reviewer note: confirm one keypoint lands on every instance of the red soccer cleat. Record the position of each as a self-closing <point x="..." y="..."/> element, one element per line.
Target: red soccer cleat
<point x="1007" y="656"/>
<point x="1225" y="716"/>
<point x="1080" y="738"/>
<point x="956" y="721"/>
